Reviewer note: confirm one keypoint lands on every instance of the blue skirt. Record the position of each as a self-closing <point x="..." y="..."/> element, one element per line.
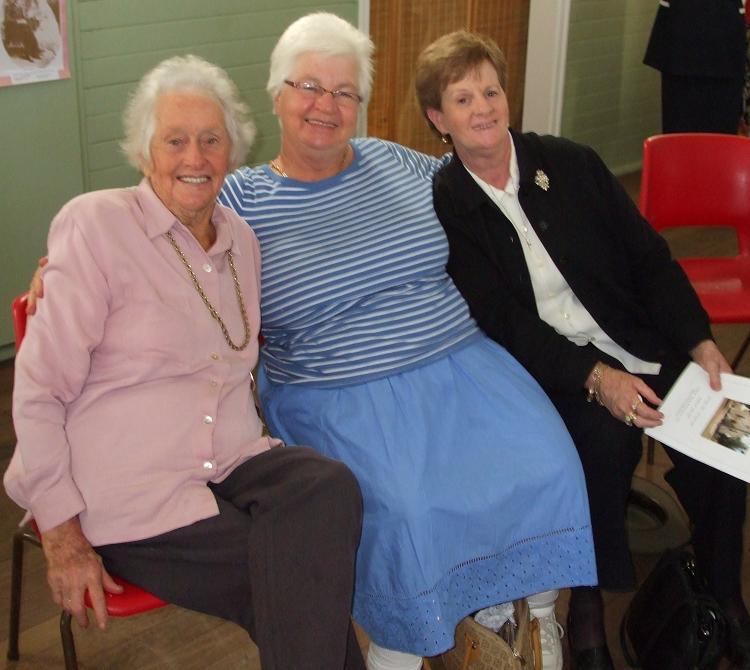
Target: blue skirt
<point x="473" y="492"/>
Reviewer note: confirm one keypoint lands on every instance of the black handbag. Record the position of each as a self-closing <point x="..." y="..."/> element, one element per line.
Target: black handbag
<point x="673" y="623"/>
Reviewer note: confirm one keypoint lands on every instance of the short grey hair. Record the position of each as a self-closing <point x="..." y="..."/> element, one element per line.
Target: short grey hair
<point x="321" y="33"/>
<point x="184" y="74"/>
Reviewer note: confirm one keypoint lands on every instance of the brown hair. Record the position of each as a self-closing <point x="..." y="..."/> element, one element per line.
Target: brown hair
<point x="448" y="59"/>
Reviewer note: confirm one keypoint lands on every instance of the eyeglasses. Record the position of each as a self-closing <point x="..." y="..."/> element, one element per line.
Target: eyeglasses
<point x="313" y="90"/>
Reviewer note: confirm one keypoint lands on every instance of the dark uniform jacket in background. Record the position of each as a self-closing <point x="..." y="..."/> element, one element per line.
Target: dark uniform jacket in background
<point x="701" y="38"/>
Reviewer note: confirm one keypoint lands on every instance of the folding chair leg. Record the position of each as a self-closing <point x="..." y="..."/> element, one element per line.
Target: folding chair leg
<point x="16" y="579"/>
<point x="741" y="352"/>
<point x="68" y="643"/>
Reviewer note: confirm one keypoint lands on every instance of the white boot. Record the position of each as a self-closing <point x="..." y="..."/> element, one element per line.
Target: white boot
<point x="542" y="608"/>
<point x="380" y="658"/>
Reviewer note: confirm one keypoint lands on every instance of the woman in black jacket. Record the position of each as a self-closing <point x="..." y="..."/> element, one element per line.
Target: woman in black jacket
<point x="558" y="266"/>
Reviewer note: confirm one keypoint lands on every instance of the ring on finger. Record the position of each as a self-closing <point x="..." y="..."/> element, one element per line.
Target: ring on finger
<point x="628" y="419"/>
<point x="636" y="403"/>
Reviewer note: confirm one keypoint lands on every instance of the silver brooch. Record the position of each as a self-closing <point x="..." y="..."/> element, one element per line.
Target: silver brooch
<point x="541" y="180"/>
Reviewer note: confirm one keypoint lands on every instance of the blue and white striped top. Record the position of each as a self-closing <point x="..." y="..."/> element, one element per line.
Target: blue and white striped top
<point x="354" y="285"/>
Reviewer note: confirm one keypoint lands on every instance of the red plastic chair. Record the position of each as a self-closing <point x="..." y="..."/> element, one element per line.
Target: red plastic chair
<point x="133" y="599"/>
<point x="703" y="179"/>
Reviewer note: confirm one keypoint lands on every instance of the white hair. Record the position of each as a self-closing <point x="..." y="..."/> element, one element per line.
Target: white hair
<point x="322" y="33"/>
<point x="184" y="74"/>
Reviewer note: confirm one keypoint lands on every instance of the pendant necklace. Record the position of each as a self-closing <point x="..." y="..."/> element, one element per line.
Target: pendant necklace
<point x="276" y="166"/>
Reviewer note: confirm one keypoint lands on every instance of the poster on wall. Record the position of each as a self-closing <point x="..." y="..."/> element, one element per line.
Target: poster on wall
<point x="33" y="41"/>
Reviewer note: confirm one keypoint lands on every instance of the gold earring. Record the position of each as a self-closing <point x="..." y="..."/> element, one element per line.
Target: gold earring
<point x="444" y="139"/>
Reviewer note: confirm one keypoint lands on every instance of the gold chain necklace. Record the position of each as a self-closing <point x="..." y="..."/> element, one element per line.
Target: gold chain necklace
<point x="276" y="166"/>
<point x="206" y="301"/>
<point x="277" y="169"/>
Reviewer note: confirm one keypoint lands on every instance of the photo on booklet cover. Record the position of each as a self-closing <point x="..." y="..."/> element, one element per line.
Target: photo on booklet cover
<point x="730" y="426"/>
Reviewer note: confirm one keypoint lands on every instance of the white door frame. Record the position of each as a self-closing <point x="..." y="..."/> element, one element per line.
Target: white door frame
<point x="545" y="66"/>
<point x="364" y="26"/>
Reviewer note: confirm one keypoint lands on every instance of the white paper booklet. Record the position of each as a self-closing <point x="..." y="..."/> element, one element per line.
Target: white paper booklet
<point x="710" y="426"/>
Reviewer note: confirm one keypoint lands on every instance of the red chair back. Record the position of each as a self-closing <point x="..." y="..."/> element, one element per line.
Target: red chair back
<point x="703" y="179"/>
<point x="697" y="179"/>
<point x="19" y="318"/>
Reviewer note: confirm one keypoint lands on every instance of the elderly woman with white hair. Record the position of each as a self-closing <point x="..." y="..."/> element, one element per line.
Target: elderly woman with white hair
<point x="473" y="493"/>
<point x="140" y="451"/>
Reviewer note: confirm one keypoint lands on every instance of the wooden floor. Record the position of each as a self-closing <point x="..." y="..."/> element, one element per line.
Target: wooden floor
<point x="176" y="638"/>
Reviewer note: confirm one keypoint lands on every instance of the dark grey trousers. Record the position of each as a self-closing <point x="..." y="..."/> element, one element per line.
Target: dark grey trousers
<point x="278" y="559"/>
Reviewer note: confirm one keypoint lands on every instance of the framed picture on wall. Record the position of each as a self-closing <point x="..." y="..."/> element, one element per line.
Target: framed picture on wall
<point x="33" y="41"/>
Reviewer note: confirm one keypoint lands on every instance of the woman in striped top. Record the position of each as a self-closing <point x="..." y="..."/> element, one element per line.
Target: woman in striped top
<point x="473" y="493"/>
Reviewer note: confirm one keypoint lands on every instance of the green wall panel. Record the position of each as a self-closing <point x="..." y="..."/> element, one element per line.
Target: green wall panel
<point x="62" y="138"/>
<point x="611" y="100"/>
<point x="40" y="170"/>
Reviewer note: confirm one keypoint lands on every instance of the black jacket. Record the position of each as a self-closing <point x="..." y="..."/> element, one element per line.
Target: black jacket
<point x="699" y="38"/>
<point x="615" y="263"/>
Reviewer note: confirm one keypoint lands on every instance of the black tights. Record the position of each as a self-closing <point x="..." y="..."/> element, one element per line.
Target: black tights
<point x="586" y="618"/>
